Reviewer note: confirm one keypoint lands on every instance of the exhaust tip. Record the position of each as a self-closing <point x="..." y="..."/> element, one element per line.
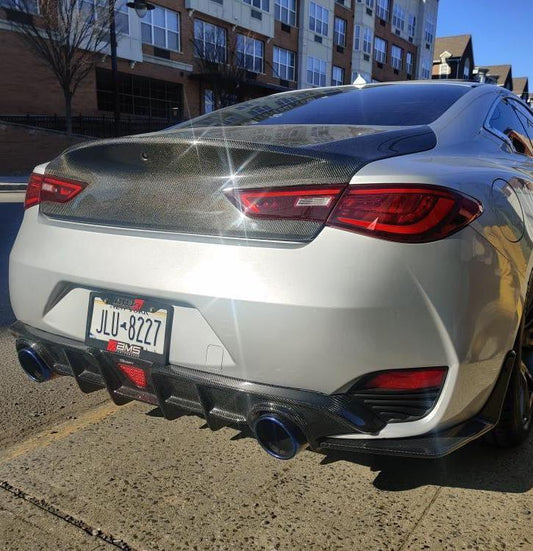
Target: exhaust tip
<point x="279" y="437"/>
<point x="33" y="365"/>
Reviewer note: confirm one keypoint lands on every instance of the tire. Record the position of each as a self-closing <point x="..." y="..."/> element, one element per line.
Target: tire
<point x="517" y="411"/>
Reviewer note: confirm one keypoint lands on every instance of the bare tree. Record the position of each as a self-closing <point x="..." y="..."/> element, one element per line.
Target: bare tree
<point x="67" y="35"/>
<point x="221" y="67"/>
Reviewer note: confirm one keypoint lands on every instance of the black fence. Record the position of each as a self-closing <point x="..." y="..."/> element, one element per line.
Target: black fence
<point x="98" y="127"/>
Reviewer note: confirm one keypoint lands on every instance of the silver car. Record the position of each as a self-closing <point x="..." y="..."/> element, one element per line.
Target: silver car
<point x="342" y="268"/>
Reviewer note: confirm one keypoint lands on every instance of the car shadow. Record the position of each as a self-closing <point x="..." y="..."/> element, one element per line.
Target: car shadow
<point x="477" y="466"/>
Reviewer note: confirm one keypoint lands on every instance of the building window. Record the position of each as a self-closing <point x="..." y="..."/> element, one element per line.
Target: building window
<point x="396" y="55"/>
<point x="285" y="11"/>
<point x="316" y="71"/>
<point x="409" y="63"/>
<point x="357" y="37"/>
<point x="466" y="69"/>
<point x="91" y="8"/>
<point x="337" y="76"/>
<point x="339" y="36"/>
<point x="411" y="27"/>
<point x="250" y="53"/>
<point x="380" y="50"/>
<point x="138" y="95"/>
<point x="430" y="31"/>
<point x="426" y="70"/>
<point x="209" y="101"/>
<point x="161" y="28"/>
<point x="367" y="41"/>
<point x="318" y="19"/>
<point x="284" y="63"/>
<point x="370" y="4"/>
<point x="209" y="41"/>
<point x="398" y="17"/>
<point x="259" y="4"/>
<point x="28" y="6"/>
<point x="382" y="10"/>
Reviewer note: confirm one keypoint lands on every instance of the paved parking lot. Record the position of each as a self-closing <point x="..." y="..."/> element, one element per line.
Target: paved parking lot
<point x="76" y="472"/>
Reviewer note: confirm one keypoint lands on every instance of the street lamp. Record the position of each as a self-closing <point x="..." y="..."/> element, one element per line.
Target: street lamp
<point x="141" y="7"/>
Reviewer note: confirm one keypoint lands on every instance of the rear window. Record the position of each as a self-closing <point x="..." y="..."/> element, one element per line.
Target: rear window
<point x="387" y="105"/>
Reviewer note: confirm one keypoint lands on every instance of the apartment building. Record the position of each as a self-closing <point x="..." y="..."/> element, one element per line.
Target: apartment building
<point x="170" y="60"/>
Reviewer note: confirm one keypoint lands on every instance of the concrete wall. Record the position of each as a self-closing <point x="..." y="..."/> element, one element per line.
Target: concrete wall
<point x="23" y="147"/>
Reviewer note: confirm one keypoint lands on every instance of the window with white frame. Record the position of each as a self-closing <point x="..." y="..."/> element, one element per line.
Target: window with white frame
<point x="318" y="19"/>
<point x="429" y="33"/>
<point x="426" y="70"/>
<point x="28" y="6"/>
<point x="285" y="11"/>
<point x="209" y="101"/>
<point x="259" y="4"/>
<point x="398" y="17"/>
<point x="250" y="53"/>
<point x="284" y="63"/>
<point x="90" y="7"/>
<point x="382" y="9"/>
<point x="396" y="54"/>
<point x="339" y="36"/>
<point x="367" y="41"/>
<point x="316" y="71"/>
<point x="357" y="37"/>
<point x="411" y="26"/>
<point x="380" y="50"/>
<point x="409" y="63"/>
<point x="337" y="76"/>
<point x="209" y="41"/>
<point x="161" y="27"/>
<point x="370" y="4"/>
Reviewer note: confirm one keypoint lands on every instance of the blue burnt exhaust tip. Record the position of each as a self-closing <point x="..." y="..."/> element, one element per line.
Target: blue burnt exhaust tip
<point x="33" y="365"/>
<point x="279" y="437"/>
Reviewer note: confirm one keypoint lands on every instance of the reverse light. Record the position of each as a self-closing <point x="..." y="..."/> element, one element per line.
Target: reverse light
<point x="47" y="188"/>
<point x="291" y="203"/>
<point x="406" y="379"/>
<point x="136" y="375"/>
<point x="405" y="213"/>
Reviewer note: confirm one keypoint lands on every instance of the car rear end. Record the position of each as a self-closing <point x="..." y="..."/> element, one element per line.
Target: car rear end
<point x="258" y="281"/>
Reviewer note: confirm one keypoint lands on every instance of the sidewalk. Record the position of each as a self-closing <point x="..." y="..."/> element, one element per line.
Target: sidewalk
<point x="12" y="188"/>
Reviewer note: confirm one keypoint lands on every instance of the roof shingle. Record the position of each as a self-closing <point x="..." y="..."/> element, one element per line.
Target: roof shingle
<point x="456" y="45"/>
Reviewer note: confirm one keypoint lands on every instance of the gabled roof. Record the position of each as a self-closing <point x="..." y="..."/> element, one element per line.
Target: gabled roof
<point x="456" y="45"/>
<point x="520" y="85"/>
<point x="501" y="71"/>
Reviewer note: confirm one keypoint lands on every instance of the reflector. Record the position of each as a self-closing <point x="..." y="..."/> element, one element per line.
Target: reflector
<point x="407" y="379"/>
<point x="136" y="375"/>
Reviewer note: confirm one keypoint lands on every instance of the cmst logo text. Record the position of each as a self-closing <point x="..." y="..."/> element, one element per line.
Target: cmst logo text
<point x="124" y="348"/>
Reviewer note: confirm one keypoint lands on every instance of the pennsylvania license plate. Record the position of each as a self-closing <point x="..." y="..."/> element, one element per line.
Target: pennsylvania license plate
<point x="129" y="326"/>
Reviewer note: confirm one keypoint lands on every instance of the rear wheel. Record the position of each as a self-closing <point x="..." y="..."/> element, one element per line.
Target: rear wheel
<point x="517" y="413"/>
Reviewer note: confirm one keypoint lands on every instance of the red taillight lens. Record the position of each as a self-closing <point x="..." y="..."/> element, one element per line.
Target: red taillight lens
<point x="136" y="375"/>
<point x="291" y="203"/>
<point x="46" y="188"/>
<point x="412" y="214"/>
<point x="407" y="379"/>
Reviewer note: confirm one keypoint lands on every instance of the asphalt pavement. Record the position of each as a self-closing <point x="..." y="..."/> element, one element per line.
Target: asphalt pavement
<point x="79" y="473"/>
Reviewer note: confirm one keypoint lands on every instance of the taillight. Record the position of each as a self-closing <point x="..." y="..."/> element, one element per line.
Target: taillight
<point x="47" y="188"/>
<point x="291" y="203"/>
<point x="406" y="379"/>
<point x="406" y="213"/>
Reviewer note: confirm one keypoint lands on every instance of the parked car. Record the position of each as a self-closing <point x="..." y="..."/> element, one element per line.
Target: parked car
<point x="347" y="268"/>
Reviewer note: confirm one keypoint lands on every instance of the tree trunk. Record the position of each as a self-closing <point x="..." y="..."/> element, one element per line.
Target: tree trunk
<point x="68" y="111"/>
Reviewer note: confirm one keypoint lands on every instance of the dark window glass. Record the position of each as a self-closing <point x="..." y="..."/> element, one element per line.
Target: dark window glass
<point x="526" y="117"/>
<point x="146" y="97"/>
<point x="385" y="105"/>
<point x="505" y="119"/>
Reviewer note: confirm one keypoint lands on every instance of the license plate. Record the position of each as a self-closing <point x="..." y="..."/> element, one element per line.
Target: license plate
<point x="129" y="326"/>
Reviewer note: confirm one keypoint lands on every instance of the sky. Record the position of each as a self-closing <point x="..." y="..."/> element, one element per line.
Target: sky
<point x="501" y="31"/>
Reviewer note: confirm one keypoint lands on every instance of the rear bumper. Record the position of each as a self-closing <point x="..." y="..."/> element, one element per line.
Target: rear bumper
<point x="224" y="400"/>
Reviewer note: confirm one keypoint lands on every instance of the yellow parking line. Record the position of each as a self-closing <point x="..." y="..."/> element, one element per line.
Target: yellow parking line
<point x="58" y="432"/>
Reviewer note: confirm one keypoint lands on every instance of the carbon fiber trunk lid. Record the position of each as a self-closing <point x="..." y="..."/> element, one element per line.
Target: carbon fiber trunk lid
<point x="174" y="180"/>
